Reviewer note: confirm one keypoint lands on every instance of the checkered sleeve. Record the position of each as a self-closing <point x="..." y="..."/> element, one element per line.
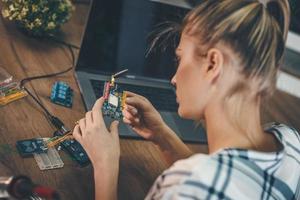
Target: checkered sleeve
<point x="234" y="173"/>
<point x="180" y="181"/>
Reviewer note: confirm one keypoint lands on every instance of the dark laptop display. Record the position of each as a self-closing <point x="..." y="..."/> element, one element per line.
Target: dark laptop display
<point x="119" y="35"/>
<point x="292" y="53"/>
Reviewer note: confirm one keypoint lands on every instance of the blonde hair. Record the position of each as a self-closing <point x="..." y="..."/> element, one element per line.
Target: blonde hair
<point x="255" y="31"/>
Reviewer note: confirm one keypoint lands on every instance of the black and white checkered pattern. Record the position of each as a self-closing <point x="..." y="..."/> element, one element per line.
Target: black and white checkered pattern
<point x="236" y="173"/>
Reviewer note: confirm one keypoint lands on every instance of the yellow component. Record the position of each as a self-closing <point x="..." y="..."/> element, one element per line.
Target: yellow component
<point x="112" y="81"/>
<point x="7" y="99"/>
<point x="123" y="100"/>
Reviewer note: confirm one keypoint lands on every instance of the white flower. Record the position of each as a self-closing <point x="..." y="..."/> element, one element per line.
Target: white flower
<point x="5" y="13"/>
<point x="51" y="25"/>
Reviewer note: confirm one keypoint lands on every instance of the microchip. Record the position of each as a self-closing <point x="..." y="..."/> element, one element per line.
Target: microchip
<point x="28" y="147"/>
<point x="114" y="100"/>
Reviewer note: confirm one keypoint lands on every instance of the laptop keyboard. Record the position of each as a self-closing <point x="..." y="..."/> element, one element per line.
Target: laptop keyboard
<point x="161" y="99"/>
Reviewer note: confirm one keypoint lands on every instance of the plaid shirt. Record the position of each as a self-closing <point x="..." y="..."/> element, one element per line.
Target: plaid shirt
<point x="236" y="173"/>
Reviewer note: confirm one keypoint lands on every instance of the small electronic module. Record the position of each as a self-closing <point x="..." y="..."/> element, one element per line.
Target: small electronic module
<point x="27" y="148"/>
<point x="114" y="98"/>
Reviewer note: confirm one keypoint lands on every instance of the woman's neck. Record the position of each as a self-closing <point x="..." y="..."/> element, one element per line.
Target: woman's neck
<point x="236" y="124"/>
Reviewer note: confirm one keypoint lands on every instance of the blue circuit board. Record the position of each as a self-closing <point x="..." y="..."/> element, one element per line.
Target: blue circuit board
<point x="62" y="94"/>
<point x="114" y="101"/>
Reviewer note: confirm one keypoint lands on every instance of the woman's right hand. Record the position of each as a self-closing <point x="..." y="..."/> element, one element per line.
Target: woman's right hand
<point x="144" y="119"/>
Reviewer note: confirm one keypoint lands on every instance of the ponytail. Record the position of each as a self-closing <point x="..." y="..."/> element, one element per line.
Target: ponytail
<point x="280" y="10"/>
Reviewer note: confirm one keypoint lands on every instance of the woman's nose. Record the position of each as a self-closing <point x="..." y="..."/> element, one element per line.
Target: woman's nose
<point x="173" y="80"/>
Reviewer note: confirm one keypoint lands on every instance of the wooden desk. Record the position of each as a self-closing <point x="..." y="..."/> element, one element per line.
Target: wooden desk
<point x="141" y="161"/>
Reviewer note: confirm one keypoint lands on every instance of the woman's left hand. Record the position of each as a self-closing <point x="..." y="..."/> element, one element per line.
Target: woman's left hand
<point x="102" y="145"/>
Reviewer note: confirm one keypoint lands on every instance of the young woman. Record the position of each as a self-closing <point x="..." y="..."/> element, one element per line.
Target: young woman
<point x="229" y="54"/>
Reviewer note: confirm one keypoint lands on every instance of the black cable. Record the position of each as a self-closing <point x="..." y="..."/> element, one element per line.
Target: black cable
<point x="53" y="119"/>
<point x="38" y="102"/>
<point x="25" y="80"/>
<point x="55" y="39"/>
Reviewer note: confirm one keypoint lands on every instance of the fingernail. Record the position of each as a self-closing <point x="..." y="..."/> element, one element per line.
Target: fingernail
<point x="134" y="110"/>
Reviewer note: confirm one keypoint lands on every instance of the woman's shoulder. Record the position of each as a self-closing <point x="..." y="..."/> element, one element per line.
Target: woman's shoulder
<point x="283" y="131"/>
<point x="198" y="176"/>
<point x="198" y="161"/>
<point x="173" y="181"/>
<point x="199" y="165"/>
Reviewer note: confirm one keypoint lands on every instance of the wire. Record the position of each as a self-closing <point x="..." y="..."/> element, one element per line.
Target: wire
<point x="53" y="119"/>
<point x="38" y="102"/>
<point x="25" y="80"/>
<point x="55" y="39"/>
<point x="57" y="140"/>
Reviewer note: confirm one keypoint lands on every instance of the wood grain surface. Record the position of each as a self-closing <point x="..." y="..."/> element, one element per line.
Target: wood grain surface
<point x="141" y="161"/>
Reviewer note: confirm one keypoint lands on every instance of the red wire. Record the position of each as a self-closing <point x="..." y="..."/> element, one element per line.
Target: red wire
<point x="45" y="192"/>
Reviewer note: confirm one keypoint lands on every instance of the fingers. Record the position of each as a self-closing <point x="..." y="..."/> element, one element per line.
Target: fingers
<point x="77" y="133"/>
<point x="134" y="96"/>
<point x="126" y="121"/>
<point x="132" y="110"/>
<point x="89" y="117"/>
<point x="97" y="111"/>
<point x="137" y="102"/>
<point x="130" y="119"/>
<point x="114" y="129"/>
<point x="131" y="94"/>
<point x="82" y="124"/>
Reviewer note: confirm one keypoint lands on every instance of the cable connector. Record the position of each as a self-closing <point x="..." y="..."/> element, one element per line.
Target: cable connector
<point x="59" y="125"/>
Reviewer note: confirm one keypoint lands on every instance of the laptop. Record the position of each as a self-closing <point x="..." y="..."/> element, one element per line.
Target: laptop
<point x="292" y="53"/>
<point x="116" y="37"/>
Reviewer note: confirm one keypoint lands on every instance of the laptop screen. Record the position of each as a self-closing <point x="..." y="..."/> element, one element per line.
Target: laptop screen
<point x="295" y="16"/>
<point x="118" y="36"/>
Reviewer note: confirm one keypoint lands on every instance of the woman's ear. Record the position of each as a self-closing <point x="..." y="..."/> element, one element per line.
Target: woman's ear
<point x="215" y="63"/>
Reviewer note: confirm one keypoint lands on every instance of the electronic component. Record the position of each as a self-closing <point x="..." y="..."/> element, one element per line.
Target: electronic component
<point x="62" y="94"/>
<point x="74" y="149"/>
<point x="114" y="98"/>
<point x="48" y="160"/>
<point x="12" y="97"/>
<point x="5" y="77"/>
<point x="52" y="142"/>
<point x="28" y="147"/>
<point x="9" y="90"/>
<point x="113" y="102"/>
